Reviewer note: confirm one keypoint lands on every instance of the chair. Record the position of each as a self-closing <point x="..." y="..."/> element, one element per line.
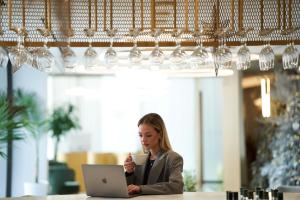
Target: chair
<point x="74" y="161"/>
<point x="62" y="179"/>
<point x="102" y="158"/>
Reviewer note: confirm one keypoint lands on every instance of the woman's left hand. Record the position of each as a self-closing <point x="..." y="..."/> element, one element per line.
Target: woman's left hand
<point x="133" y="189"/>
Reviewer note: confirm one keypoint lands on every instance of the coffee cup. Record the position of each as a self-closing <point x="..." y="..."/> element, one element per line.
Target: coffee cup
<point x="139" y="159"/>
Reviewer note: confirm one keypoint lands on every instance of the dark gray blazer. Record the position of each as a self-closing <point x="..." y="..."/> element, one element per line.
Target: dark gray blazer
<point x="164" y="177"/>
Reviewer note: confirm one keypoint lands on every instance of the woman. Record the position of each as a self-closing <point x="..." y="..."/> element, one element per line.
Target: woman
<point x="161" y="174"/>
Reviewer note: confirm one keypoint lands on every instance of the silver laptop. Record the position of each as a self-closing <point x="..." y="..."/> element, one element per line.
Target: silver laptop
<point x="105" y="181"/>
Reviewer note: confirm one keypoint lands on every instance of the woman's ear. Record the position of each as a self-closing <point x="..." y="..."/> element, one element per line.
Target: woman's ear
<point x="160" y="138"/>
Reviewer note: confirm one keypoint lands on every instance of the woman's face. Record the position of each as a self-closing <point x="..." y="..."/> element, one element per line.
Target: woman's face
<point x="149" y="137"/>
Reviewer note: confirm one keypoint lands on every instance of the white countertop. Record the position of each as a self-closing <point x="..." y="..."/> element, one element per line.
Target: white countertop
<point x="184" y="196"/>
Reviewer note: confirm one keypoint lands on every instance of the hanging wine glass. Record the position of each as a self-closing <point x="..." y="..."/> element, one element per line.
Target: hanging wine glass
<point x="178" y="56"/>
<point x="243" y="56"/>
<point x="19" y="55"/>
<point x="90" y="55"/>
<point x="111" y="57"/>
<point x="43" y="59"/>
<point x="223" y="55"/>
<point x="199" y="57"/>
<point x="3" y="57"/>
<point x="69" y="57"/>
<point x="290" y="56"/>
<point x="3" y="52"/>
<point x="135" y="54"/>
<point x="266" y="56"/>
<point x="157" y="56"/>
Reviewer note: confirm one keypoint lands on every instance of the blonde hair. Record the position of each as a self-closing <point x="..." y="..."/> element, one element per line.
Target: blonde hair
<point x="155" y="121"/>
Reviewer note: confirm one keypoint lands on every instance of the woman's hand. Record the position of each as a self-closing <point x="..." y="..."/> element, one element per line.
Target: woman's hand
<point x="129" y="164"/>
<point x="133" y="189"/>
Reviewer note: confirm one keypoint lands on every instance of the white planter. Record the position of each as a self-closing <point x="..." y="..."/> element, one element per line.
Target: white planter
<point x="35" y="189"/>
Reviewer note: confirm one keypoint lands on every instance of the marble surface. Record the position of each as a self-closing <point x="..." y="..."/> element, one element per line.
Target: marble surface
<point x="184" y="196"/>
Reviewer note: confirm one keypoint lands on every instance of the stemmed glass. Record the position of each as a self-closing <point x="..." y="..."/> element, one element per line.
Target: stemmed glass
<point x="42" y="58"/>
<point x="3" y="57"/>
<point x="69" y="57"/>
<point x="19" y="55"/>
<point x="178" y="55"/>
<point x="111" y="57"/>
<point x="223" y="55"/>
<point x="290" y="56"/>
<point x="199" y="57"/>
<point x="157" y="56"/>
<point x="266" y="56"/>
<point x="91" y="56"/>
<point x="135" y="54"/>
<point x="243" y="56"/>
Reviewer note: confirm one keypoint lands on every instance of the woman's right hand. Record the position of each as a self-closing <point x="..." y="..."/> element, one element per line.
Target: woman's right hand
<point x="129" y="164"/>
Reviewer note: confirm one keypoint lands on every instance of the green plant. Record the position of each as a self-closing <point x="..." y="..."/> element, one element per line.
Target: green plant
<point x="35" y="122"/>
<point x="190" y="181"/>
<point x="10" y="123"/>
<point x="62" y="121"/>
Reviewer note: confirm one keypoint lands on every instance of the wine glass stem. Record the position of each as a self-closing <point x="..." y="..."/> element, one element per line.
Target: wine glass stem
<point x="198" y="43"/>
<point x="243" y="41"/>
<point x="224" y="40"/>
<point x="134" y="42"/>
<point x="69" y="41"/>
<point x="90" y="41"/>
<point x="111" y="42"/>
<point x="268" y="41"/>
<point x="201" y="41"/>
<point x="178" y="42"/>
<point x="45" y="41"/>
<point x="221" y="42"/>
<point x="156" y="42"/>
<point x="20" y="40"/>
<point x="291" y="38"/>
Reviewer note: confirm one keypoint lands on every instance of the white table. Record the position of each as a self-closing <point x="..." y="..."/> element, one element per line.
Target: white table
<point x="184" y="196"/>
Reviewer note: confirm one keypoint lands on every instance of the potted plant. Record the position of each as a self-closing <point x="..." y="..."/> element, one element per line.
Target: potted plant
<point x="36" y="125"/>
<point x="26" y="114"/>
<point x="190" y="181"/>
<point x="35" y="121"/>
<point x="62" y="120"/>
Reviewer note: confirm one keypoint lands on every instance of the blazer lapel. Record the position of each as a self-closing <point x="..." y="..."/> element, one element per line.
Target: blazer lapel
<point x="156" y="168"/>
<point x="143" y="168"/>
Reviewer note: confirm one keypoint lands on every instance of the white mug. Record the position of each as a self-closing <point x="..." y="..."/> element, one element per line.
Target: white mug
<point x="139" y="159"/>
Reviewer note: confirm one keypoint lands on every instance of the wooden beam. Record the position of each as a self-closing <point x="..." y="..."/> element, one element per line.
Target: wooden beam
<point x="261" y="15"/>
<point x="186" y="15"/>
<point x="104" y="15"/>
<point x="153" y="15"/>
<point x="196" y="15"/>
<point x="241" y="15"/>
<point x="232" y="15"/>
<point x="133" y="13"/>
<point x="140" y="43"/>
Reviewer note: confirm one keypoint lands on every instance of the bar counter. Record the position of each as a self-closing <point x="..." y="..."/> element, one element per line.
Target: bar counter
<point x="184" y="196"/>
